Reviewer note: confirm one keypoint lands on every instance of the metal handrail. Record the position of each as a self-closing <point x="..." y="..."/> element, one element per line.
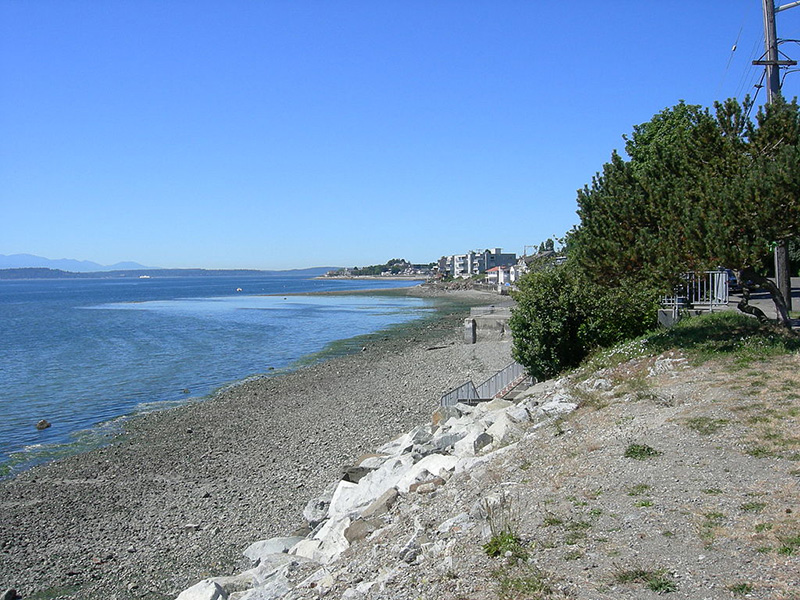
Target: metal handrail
<point x="496" y="385"/>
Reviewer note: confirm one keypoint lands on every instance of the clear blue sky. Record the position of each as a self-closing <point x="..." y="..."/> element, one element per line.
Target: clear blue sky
<point x="278" y="134"/>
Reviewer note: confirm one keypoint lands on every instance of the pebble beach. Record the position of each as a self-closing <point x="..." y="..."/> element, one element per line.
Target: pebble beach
<point x="182" y="492"/>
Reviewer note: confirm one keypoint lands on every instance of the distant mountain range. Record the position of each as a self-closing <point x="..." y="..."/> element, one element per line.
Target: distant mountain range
<point x="21" y="261"/>
<point x="28" y="266"/>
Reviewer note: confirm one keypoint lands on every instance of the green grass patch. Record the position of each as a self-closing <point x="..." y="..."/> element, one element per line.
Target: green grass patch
<point x="521" y="581"/>
<point x="643" y="503"/>
<point x="726" y="334"/>
<point x="712" y="491"/>
<point x="756" y="507"/>
<point x="640" y="452"/>
<point x="638" y="489"/>
<point x="740" y="589"/>
<point x="790" y="544"/>
<point x="706" y="425"/>
<point x="658" y="581"/>
<point x="762" y="527"/>
<point x="505" y="544"/>
<point x="760" y="452"/>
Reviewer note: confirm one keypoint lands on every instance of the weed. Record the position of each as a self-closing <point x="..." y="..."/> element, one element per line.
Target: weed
<point x="706" y="425"/>
<point x="640" y="452"/>
<point x="595" y="512"/>
<point x="658" y="581"/>
<point x="756" y="507"/>
<point x="573" y="537"/>
<point x="762" y="527"/>
<point x="764" y="549"/>
<point x="502" y="513"/>
<point x="644" y="503"/>
<point x="667" y="534"/>
<point x="505" y="544"/>
<point x="521" y="581"/>
<point x="740" y="589"/>
<point x="638" y="489"/>
<point x="759" y="452"/>
<point x="789" y="544"/>
<point x="712" y="491"/>
<point x="552" y="521"/>
<point x="708" y="526"/>
<point x="573" y="555"/>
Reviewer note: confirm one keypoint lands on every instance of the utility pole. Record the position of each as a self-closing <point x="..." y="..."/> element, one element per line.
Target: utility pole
<point x="773" y="78"/>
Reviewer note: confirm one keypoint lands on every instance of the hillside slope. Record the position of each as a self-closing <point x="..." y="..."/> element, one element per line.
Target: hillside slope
<point x="668" y="478"/>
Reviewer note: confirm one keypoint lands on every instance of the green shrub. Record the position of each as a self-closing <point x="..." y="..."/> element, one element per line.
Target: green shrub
<point x="561" y="315"/>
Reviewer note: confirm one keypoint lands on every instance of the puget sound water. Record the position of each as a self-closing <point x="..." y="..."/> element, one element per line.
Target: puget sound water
<point x="84" y="353"/>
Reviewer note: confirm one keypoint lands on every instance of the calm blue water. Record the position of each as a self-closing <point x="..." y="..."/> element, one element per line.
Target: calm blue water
<point x="83" y="353"/>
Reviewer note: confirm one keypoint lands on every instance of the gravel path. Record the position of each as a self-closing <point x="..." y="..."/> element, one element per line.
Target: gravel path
<point x="182" y="494"/>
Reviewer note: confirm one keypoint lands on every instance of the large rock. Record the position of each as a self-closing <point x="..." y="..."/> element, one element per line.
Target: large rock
<point x="475" y="441"/>
<point x="442" y="414"/>
<point x="382" y="504"/>
<point x="204" y="590"/>
<point x="504" y="431"/>
<point x="277" y="587"/>
<point x="316" y="510"/>
<point x="428" y="468"/>
<point x="264" y="552"/>
<point x="349" y="497"/>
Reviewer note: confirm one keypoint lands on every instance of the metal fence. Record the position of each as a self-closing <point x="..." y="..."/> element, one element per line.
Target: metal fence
<point x="707" y="290"/>
<point x="498" y="384"/>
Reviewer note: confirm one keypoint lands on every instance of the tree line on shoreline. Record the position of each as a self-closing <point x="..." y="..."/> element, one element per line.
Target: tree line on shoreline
<point x="697" y="190"/>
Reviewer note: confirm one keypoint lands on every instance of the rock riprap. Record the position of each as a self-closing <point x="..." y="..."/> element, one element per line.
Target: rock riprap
<point x="359" y="505"/>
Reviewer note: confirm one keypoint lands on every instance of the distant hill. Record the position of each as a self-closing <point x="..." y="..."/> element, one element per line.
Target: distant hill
<point x="23" y="261"/>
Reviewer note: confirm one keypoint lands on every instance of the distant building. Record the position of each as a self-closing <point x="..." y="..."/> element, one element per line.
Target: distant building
<point x="475" y="262"/>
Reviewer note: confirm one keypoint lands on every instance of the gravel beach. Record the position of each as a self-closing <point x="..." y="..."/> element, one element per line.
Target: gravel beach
<point x="182" y="493"/>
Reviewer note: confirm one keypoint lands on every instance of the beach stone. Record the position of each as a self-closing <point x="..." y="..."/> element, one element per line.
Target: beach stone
<point x="43" y="424"/>
<point x="204" y="590"/>
<point x="382" y="504"/>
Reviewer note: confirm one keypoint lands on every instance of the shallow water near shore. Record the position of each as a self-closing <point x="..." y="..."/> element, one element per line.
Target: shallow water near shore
<point x="84" y="354"/>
